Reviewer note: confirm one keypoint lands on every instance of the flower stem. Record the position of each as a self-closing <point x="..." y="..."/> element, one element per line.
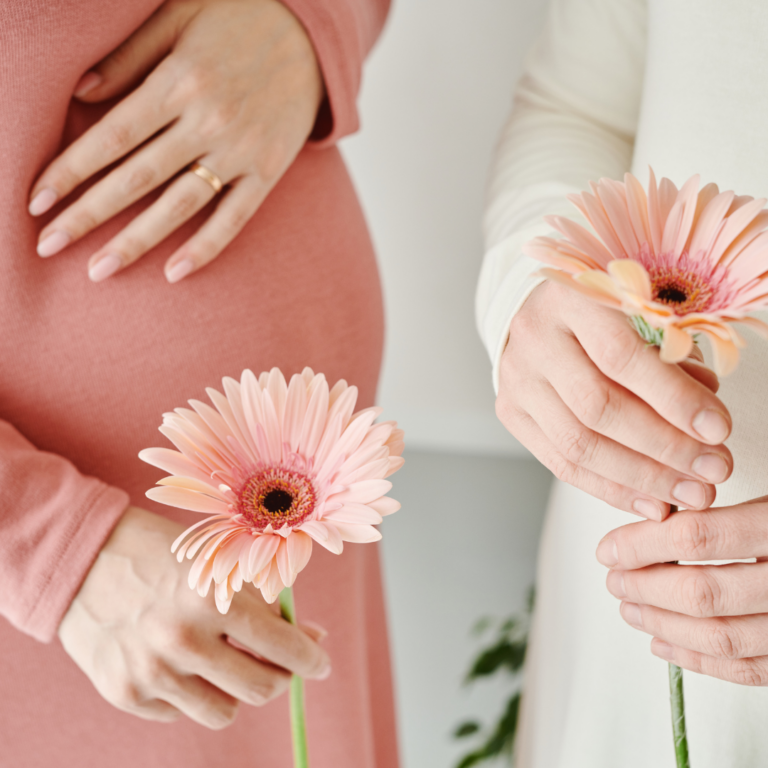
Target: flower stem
<point x="298" y="718"/>
<point x="678" y="716"/>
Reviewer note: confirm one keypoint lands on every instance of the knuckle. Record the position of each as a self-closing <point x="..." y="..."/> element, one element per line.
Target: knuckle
<point x="748" y="672"/>
<point x="233" y="221"/>
<point x="177" y="637"/>
<point x="593" y="404"/>
<point x="699" y="594"/>
<point x="723" y="641"/>
<point x="116" y="139"/>
<point x="691" y="536"/>
<point x="223" y="717"/>
<point x="616" y="354"/>
<point x="563" y="469"/>
<point x="140" y="180"/>
<point x="83" y="220"/>
<point x="577" y="444"/>
<point x="126" y="695"/>
<point x="218" y="119"/>
<point x="183" y="206"/>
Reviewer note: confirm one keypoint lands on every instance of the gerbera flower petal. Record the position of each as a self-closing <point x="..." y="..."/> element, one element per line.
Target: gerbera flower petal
<point x="314" y="422"/>
<point x="292" y="556"/>
<point x="631" y="277"/>
<point x="193" y="484"/>
<point x="262" y="551"/>
<point x="172" y="461"/>
<point x="363" y="491"/>
<point x="395" y="463"/>
<point x="295" y="411"/>
<point x="226" y="558"/>
<point x="354" y="514"/>
<point x="184" y="499"/>
<point x="358" y="534"/>
<point x="676" y="345"/>
<point x="385" y="506"/>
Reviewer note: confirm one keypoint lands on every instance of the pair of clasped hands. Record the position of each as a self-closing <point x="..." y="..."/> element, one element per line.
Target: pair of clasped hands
<point x="593" y="403"/>
<point x="234" y="85"/>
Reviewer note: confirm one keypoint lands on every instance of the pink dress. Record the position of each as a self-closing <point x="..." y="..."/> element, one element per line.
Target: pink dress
<point x="87" y="370"/>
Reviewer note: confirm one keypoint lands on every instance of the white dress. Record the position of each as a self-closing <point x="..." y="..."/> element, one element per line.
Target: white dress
<point x="611" y="86"/>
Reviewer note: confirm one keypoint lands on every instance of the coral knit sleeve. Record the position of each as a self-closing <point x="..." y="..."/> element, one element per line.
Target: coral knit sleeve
<point x="342" y="33"/>
<point x="574" y="120"/>
<point x="54" y="521"/>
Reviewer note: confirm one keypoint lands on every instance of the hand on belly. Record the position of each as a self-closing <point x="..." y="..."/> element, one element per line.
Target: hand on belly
<point x="231" y="94"/>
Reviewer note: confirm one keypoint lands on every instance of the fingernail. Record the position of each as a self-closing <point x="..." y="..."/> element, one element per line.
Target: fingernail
<point x="54" y="243"/>
<point x="711" y="425"/>
<point x="105" y="267"/>
<point x="632" y="615"/>
<point x="615" y="584"/>
<point x="662" y="649"/>
<point x="607" y="554"/>
<point x="690" y="493"/>
<point x="325" y="674"/>
<point x="647" y="509"/>
<point x="87" y="83"/>
<point x="43" y="201"/>
<point x="711" y="466"/>
<point x="179" y="271"/>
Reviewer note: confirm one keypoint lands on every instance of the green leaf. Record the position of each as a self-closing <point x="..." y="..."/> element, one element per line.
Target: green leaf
<point x="481" y="625"/>
<point x="466" y="729"/>
<point x="504" y="654"/>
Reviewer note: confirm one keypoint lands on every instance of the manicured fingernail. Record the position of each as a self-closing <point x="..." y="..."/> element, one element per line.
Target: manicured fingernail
<point x="87" y="83"/>
<point x="632" y="615"/>
<point x="54" y="243"/>
<point x="712" y="426"/>
<point x="179" y="271"/>
<point x="647" y="509"/>
<point x="662" y="649"/>
<point x="324" y="674"/>
<point x="690" y="494"/>
<point x="615" y="584"/>
<point x="711" y="466"/>
<point x="105" y="267"/>
<point x="607" y="554"/>
<point x="43" y="201"/>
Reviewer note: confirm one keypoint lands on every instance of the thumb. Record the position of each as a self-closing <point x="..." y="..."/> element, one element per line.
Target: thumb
<point x="134" y="58"/>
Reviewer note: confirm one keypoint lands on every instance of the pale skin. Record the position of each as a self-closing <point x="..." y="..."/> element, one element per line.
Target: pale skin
<point x="153" y="647"/>
<point x="233" y="84"/>
<point x="585" y="394"/>
<point x="705" y="618"/>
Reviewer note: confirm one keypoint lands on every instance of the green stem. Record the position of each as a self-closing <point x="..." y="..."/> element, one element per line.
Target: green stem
<point x="298" y="717"/>
<point x="678" y="716"/>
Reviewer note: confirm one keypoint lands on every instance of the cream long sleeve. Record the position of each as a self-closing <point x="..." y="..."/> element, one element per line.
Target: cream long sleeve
<point x="574" y="120"/>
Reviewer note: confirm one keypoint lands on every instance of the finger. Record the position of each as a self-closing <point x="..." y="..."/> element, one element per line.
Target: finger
<point x="241" y="675"/>
<point x="611" y="410"/>
<point x="147" y="709"/>
<point x="751" y="672"/>
<point x="182" y="200"/>
<point x="726" y="533"/>
<point x="127" y="125"/>
<point x="625" y="358"/>
<point x="134" y="58"/>
<point x="199" y="700"/>
<point x="272" y="638"/>
<point x="525" y="429"/>
<point x="143" y="172"/>
<point x="702" y="374"/>
<point x="702" y="591"/>
<point x="737" y="637"/>
<point x="235" y="210"/>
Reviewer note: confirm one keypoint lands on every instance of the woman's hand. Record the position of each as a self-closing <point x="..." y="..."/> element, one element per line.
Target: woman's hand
<point x="586" y="395"/>
<point x="711" y="619"/>
<point x="233" y="84"/>
<point x="154" y="648"/>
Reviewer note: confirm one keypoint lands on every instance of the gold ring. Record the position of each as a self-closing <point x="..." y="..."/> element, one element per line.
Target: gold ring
<point x="207" y="175"/>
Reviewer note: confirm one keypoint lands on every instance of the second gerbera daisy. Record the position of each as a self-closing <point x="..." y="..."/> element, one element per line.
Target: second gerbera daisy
<point x="277" y="466"/>
<point x="678" y="262"/>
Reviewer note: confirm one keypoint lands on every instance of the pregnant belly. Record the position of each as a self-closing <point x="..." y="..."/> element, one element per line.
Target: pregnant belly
<point x="88" y="369"/>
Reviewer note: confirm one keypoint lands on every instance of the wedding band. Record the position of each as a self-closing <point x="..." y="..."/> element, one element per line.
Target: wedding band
<point x="207" y="175"/>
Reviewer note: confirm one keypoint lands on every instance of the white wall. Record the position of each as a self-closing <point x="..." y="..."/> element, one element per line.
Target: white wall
<point x="436" y="92"/>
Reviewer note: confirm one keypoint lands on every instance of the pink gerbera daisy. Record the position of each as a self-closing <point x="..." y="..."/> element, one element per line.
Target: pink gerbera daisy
<point x="679" y="263"/>
<point x="278" y="466"/>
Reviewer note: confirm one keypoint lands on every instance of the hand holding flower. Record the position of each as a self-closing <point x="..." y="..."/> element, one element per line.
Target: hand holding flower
<point x="233" y="84"/>
<point x="711" y="619"/>
<point x="588" y="397"/>
<point x="153" y="648"/>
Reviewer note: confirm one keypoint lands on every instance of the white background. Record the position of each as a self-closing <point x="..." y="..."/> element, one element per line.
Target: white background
<point x="436" y="92"/>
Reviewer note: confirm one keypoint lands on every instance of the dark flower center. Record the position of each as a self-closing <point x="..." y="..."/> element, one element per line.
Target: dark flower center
<point x="277" y="501"/>
<point x="671" y="295"/>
